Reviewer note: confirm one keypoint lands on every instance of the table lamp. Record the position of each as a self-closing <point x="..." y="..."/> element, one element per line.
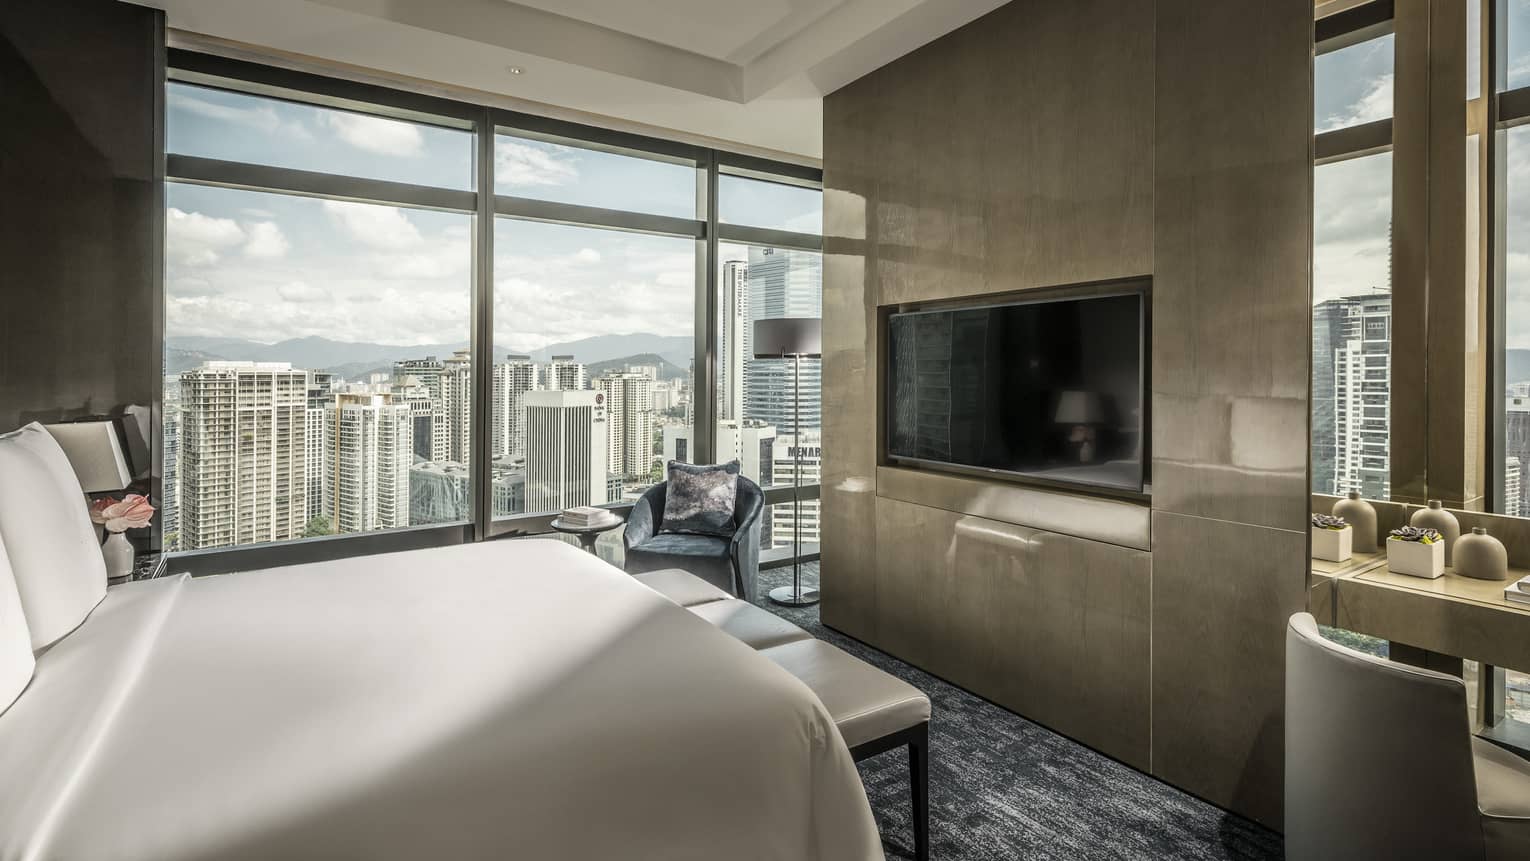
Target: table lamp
<point x="95" y="452"/>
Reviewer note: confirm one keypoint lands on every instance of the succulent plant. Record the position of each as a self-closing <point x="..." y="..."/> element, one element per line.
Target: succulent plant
<point x="1413" y="533"/>
<point x="1328" y="521"/>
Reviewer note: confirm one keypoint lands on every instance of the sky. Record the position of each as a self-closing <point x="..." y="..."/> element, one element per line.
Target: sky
<point x="269" y="267"/>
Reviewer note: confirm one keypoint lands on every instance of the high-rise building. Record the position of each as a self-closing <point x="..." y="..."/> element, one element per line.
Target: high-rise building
<point x="565" y="374"/>
<point x="1513" y="492"/>
<point x="457" y="406"/>
<point x="314" y="460"/>
<point x="1351" y="395"/>
<point x="369" y="448"/>
<point x="630" y="420"/>
<point x="1516" y="446"/>
<point x="733" y="338"/>
<point x="799" y="461"/>
<point x="565" y="449"/>
<point x="782" y="283"/>
<point x="243" y="462"/>
<point x="513" y="378"/>
<point x="320" y="396"/>
<point x="170" y="436"/>
<point x="426" y="373"/>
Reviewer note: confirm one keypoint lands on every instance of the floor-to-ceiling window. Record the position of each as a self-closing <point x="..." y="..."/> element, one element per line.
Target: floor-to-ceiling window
<point x="1352" y="267"/>
<point x="390" y="312"/>
<point x="289" y="314"/>
<point x="770" y="411"/>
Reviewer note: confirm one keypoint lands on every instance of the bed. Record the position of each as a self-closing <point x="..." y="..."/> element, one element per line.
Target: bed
<point x="513" y="699"/>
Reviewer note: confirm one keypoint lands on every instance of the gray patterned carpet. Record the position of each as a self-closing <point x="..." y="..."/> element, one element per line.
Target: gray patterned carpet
<point x="1002" y="787"/>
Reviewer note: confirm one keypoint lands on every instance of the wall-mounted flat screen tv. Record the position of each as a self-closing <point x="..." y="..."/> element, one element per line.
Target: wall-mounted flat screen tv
<point x="1051" y="390"/>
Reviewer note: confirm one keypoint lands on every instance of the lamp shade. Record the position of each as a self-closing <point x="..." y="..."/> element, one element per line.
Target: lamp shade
<point x="1080" y="408"/>
<point x="784" y="337"/>
<point x="95" y="453"/>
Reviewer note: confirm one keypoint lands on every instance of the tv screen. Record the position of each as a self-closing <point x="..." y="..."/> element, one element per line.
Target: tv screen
<point x="1049" y="389"/>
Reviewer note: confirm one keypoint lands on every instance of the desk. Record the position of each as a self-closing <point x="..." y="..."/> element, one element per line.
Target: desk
<point x="1453" y="616"/>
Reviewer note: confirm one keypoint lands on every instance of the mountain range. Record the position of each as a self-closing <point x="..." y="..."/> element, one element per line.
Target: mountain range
<point x="352" y="360"/>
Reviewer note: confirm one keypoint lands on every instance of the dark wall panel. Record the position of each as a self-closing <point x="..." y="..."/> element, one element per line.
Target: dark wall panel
<point x="81" y="233"/>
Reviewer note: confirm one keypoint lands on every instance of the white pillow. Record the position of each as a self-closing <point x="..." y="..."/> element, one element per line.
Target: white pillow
<point x="45" y="524"/>
<point x="16" y="661"/>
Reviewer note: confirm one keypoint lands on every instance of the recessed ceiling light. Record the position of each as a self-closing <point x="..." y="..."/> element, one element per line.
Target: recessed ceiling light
<point x="516" y="70"/>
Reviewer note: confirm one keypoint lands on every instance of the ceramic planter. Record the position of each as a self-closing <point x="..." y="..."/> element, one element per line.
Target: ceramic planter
<point x="1361" y="516"/>
<point x="1437" y="518"/>
<point x="1482" y="556"/>
<point x="1332" y="545"/>
<point x="1416" y="558"/>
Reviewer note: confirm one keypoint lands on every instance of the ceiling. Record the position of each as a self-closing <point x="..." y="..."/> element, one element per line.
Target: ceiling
<point x="748" y="72"/>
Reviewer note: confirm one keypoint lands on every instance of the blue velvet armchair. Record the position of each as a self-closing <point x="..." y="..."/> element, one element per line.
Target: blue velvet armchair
<point x="731" y="563"/>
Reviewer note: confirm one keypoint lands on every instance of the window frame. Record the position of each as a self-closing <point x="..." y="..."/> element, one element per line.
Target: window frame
<point x="482" y="202"/>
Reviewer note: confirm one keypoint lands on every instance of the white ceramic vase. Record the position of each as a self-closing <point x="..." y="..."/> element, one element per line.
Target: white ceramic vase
<point x="119" y="556"/>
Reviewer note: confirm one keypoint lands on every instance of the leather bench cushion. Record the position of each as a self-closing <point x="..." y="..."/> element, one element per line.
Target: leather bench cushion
<point x="683" y="588"/>
<point x="758" y="628"/>
<point x="866" y="703"/>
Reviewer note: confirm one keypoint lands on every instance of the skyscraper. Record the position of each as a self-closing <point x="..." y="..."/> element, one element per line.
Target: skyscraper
<point x="513" y="378"/>
<point x="426" y="373"/>
<point x="1513" y="492"/>
<point x="565" y="374"/>
<point x="457" y="406"/>
<point x="320" y="396"/>
<point x="1351" y="395"/>
<point x="243" y="464"/>
<point x="802" y="458"/>
<point x="732" y="340"/>
<point x="169" y="506"/>
<point x="629" y="415"/>
<point x="782" y="283"/>
<point x="566" y="458"/>
<point x="369" y="446"/>
<point x="1516" y="446"/>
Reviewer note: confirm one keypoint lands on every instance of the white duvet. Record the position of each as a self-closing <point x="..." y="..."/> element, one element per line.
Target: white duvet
<point x="516" y="699"/>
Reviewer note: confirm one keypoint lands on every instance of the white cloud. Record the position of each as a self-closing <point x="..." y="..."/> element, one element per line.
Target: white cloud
<point x="1374" y="104"/>
<point x="587" y="255"/>
<point x="299" y="291"/>
<point x="526" y="163"/>
<point x="261" y="117"/>
<point x="376" y="134"/>
<point x="266" y="241"/>
<point x="383" y="227"/>
<point x="194" y="239"/>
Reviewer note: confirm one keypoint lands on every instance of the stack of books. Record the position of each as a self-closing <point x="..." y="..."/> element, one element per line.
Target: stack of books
<point x="588" y="516"/>
<point x="1518" y="592"/>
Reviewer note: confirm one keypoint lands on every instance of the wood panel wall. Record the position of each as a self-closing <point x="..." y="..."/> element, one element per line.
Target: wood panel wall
<point x="1059" y="143"/>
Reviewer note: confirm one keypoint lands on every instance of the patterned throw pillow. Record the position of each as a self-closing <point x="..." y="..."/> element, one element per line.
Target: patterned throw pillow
<point x="699" y="499"/>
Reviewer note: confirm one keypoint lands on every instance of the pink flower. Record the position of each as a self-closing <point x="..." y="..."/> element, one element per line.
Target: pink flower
<point x="98" y="506"/>
<point x="132" y="512"/>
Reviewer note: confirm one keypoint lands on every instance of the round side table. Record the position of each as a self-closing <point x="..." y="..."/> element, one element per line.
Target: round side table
<point x="587" y="535"/>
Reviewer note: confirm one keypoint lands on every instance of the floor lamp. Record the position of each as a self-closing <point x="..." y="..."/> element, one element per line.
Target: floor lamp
<point x="794" y="338"/>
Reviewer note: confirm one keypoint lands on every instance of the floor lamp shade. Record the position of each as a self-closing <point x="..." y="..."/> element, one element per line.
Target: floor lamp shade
<point x="95" y="453"/>
<point x="784" y="337"/>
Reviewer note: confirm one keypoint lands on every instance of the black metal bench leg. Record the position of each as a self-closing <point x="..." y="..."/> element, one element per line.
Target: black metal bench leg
<point x="919" y="790"/>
